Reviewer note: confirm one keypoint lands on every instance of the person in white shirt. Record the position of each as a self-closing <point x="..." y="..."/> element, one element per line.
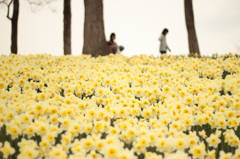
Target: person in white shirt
<point x="163" y="45"/>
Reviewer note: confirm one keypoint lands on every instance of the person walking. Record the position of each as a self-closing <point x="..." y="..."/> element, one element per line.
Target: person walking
<point x="163" y="42"/>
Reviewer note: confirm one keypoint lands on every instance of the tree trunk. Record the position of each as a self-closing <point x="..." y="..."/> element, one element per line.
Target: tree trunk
<point x="67" y="27"/>
<point x="94" y="37"/>
<point x="14" y="20"/>
<point x="192" y="37"/>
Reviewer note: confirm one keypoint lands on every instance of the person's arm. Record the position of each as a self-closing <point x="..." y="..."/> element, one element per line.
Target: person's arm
<point x="112" y="47"/>
<point x="160" y="38"/>
<point x="168" y="48"/>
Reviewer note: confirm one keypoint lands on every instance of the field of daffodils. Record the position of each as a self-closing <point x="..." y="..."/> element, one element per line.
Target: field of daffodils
<point x="117" y="107"/>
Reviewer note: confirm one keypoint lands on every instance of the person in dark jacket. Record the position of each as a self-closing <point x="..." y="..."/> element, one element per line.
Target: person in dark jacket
<point x="112" y="45"/>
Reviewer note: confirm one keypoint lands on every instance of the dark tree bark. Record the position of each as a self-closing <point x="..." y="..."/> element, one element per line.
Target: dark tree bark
<point x="67" y="28"/>
<point x="192" y="36"/>
<point x="14" y="23"/>
<point x="14" y="37"/>
<point x="94" y="37"/>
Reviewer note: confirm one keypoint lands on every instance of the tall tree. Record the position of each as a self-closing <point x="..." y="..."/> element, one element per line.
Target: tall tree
<point x="67" y="15"/>
<point x="94" y="37"/>
<point x="37" y="5"/>
<point x="14" y="23"/>
<point x="14" y="19"/>
<point x="67" y="27"/>
<point x="192" y="36"/>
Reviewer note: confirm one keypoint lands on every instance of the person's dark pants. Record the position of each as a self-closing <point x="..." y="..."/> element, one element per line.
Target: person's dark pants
<point x="163" y="52"/>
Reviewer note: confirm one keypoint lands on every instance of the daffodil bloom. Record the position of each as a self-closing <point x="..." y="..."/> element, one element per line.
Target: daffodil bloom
<point x="7" y="150"/>
<point x="119" y="107"/>
<point x="178" y="155"/>
<point x="224" y="155"/>
<point x="213" y="140"/>
<point x="198" y="151"/>
<point x="237" y="154"/>
<point x="14" y="131"/>
<point x="93" y="154"/>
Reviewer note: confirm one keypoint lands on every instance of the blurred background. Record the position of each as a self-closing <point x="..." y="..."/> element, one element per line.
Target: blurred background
<point x="137" y="24"/>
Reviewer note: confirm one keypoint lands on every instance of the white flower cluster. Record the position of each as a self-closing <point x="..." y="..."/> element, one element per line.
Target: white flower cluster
<point x="115" y="107"/>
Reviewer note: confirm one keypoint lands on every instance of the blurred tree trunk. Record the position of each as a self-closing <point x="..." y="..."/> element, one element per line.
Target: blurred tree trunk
<point x="94" y="37"/>
<point x="14" y="37"/>
<point x="192" y="37"/>
<point x="67" y="27"/>
<point x="14" y="23"/>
